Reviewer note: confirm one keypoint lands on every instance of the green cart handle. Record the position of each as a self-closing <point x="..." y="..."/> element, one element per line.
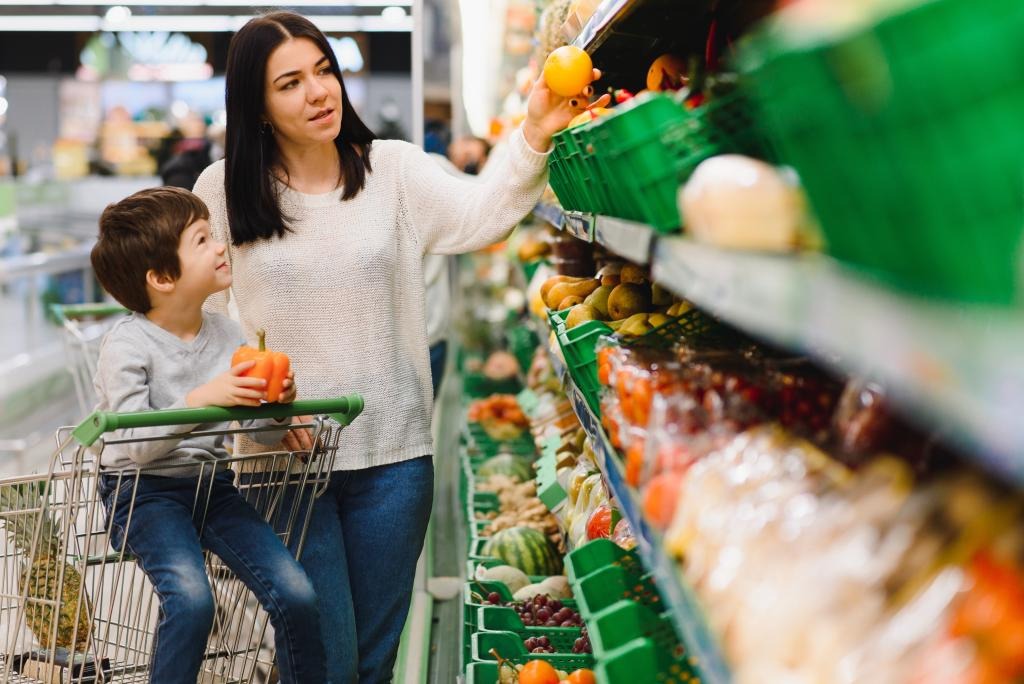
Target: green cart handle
<point x="343" y="409"/>
<point x="64" y="312"/>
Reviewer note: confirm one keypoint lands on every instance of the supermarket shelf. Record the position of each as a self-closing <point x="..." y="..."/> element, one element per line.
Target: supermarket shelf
<point x="958" y="367"/>
<point x="629" y="239"/>
<point x="550" y="213"/>
<point x="578" y="225"/>
<point x="682" y="603"/>
<point x="624" y="36"/>
<point x="597" y="29"/>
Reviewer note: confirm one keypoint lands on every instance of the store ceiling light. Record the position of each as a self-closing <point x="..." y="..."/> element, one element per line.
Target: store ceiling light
<point x="199" y="23"/>
<point x="340" y="4"/>
<point x="117" y="15"/>
<point x="393" y="13"/>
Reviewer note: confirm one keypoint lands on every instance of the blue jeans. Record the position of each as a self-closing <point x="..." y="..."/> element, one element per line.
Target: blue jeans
<point x="169" y="539"/>
<point x="438" y="353"/>
<point x="365" y="535"/>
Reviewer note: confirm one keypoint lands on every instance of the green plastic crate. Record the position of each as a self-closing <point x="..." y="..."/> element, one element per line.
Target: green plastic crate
<point x="913" y="181"/>
<point x="482" y="502"/>
<point x="621" y="622"/>
<point x="642" y="660"/>
<point x="487" y="673"/>
<point x="630" y="163"/>
<point x="549" y="491"/>
<point x="607" y="586"/>
<point x="510" y="647"/>
<point x="566" y="173"/>
<point x="474" y="596"/>
<point x="522" y="343"/>
<point x="494" y="562"/>
<point x="478" y="385"/>
<point x="499" y="619"/>
<point x="477" y="439"/>
<point x="578" y="347"/>
<point x="597" y="555"/>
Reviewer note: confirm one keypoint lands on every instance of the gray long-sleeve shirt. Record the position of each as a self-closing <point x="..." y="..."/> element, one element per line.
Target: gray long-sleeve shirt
<point x="143" y="367"/>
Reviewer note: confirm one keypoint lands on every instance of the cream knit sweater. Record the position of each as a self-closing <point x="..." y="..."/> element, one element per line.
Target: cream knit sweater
<point x="342" y="293"/>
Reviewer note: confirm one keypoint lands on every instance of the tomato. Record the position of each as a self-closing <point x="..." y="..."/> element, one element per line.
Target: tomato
<point x="538" y="672"/>
<point x="568" y="70"/>
<point x="602" y="522"/>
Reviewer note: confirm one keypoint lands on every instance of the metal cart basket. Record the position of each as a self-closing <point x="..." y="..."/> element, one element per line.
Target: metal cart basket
<point x="74" y="611"/>
<point x="84" y="326"/>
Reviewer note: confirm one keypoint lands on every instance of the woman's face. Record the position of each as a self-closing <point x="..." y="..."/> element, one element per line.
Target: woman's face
<point x="302" y="96"/>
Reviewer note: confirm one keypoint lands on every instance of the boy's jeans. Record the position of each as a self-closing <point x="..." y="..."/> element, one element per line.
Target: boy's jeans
<point x="168" y="541"/>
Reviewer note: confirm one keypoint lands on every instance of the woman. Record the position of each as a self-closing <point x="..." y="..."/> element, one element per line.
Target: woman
<point x="327" y="230"/>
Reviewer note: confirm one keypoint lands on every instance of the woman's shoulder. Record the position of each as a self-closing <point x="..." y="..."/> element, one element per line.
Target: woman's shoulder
<point x="211" y="180"/>
<point x="385" y="152"/>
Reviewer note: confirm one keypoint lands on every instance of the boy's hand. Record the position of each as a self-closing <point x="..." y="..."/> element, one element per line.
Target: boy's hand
<point x="290" y="390"/>
<point x="229" y="389"/>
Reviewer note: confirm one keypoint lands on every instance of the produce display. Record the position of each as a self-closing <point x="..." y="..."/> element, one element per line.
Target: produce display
<point x="699" y="505"/>
<point x="499" y="415"/>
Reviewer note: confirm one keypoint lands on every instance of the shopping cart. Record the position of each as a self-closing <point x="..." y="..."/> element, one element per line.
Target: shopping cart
<point x="74" y="611"/>
<point x="84" y="326"/>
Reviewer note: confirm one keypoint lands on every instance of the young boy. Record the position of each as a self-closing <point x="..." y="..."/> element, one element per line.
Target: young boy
<point x="156" y="257"/>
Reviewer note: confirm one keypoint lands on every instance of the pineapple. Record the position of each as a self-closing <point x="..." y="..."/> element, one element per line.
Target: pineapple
<point x="23" y="512"/>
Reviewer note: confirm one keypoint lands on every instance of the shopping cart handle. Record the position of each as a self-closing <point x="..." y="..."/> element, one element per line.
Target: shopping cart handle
<point x="64" y="312"/>
<point x="343" y="409"/>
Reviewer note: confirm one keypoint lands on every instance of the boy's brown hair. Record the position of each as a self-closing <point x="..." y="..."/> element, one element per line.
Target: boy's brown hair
<point x="139" y="233"/>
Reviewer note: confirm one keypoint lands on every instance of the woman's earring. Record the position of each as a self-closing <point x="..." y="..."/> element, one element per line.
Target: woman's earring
<point x="267" y="127"/>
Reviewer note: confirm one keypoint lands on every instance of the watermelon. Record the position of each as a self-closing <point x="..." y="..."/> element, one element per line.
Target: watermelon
<point x="527" y="549"/>
<point x="506" y="464"/>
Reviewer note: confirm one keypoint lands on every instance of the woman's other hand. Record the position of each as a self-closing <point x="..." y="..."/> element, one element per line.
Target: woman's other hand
<point x="548" y="113"/>
<point x="300" y="439"/>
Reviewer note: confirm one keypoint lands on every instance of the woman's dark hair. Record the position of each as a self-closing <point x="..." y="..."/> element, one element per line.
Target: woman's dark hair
<point x="250" y="150"/>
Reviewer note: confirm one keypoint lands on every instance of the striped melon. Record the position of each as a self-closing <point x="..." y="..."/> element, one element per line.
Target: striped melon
<point x="527" y="549"/>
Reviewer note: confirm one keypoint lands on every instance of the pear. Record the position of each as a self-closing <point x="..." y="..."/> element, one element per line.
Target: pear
<point x="580" y="313"/>
<point x="609" y="273"/>
<point x="628" y="299"/>
<point x="599" y="300"/>
<point x="658" y="319"/>
<point x="569" y="302"/>
<point x="635" y="326"/>
<point x="660" y="296"/>
<point x="631" y="273"/>
<point x="551" y="282"/>
<point x="579" y="288"/>
<point x="678" y="309"/>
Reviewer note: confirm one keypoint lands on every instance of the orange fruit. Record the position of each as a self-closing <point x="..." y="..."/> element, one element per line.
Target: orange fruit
<point x="538" y="672"/>
<point x="588" y="116"/>
<point x="583" y="676"/>
<point x="661" y="498"/>
<point x="668" y="72"/>
<point x="568" y="70"/>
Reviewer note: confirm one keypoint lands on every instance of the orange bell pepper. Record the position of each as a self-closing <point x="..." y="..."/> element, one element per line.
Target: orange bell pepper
<point x="270" y="365"/>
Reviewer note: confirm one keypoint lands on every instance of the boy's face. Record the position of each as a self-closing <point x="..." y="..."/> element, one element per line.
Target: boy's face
<point x="204" y="267"/>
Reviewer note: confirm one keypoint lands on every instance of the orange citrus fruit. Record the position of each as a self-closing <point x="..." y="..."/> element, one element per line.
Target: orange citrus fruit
<point x="568" y="70"/>
<point x="583" y="676"/>
<point x="538" y="672"/>
<point x="589" y="115"/>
